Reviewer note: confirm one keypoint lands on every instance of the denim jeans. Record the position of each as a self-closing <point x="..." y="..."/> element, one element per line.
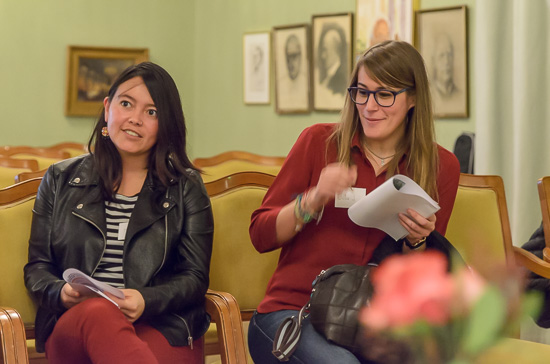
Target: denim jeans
<point x="312" y="348"/>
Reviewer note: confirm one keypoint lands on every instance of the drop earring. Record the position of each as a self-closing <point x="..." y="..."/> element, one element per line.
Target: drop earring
<point x="105" y="132"/>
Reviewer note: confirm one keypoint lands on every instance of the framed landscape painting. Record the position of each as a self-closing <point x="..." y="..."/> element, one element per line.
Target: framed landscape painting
<point x="90" y="73"/>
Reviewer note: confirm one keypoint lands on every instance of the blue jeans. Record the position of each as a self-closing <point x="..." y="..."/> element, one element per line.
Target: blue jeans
<point x="312" y="347"/>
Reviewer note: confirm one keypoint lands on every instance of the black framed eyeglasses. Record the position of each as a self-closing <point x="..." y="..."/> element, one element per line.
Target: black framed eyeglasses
<point x="384" y="98"/>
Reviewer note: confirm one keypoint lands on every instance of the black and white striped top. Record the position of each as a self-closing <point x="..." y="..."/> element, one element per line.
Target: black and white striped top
<point x="118" y="214"/>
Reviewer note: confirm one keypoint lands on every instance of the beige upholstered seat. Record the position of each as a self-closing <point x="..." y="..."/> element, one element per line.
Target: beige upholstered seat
<point x="44" y="156"/>
<point x="227" y="163"/>
<point x="236" y="266"/>
<point x="479" y="228"/>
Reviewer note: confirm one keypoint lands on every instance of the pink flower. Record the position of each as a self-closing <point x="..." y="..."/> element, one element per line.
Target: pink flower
<point x="409" y="288"/>
<point x="469" y="287"/>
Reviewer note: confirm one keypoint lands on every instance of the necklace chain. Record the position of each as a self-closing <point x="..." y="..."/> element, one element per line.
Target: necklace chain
<point x="382" y="159"/>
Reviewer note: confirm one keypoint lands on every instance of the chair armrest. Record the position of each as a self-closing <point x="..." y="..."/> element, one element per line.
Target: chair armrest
<point x="12" y="334"/>
<point x="532" y="262"/>
<point x="224" y="310"/>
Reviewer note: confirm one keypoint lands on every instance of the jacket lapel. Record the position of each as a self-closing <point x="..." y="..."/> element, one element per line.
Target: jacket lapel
<point x="151" y="206"/>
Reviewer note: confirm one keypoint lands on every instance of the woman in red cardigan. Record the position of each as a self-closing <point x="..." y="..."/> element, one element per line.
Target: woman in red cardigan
<point x="386" y="128"/>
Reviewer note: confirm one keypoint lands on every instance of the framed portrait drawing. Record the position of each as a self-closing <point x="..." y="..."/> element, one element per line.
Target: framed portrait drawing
<point x="442" y="39"/>
<point x="332" y="60"/>
<point x="291" y="54"/>
<point x="380" y="20"/>
<point x="256" y="67"/>
<point x="90" y="73"/>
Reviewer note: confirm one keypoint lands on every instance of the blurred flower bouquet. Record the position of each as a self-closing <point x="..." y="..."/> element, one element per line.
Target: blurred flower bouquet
<point x="421" y="313"/>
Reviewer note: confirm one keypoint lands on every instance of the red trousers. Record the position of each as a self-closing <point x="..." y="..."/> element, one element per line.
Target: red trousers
<point x="96" y="331"/>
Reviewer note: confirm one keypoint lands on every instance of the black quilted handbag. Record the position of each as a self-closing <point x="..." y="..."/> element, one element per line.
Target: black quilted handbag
<point x="337" y="295"/>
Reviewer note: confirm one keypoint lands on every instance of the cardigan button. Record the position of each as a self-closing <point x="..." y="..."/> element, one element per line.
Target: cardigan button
<point x="166" y="205"/>
<point x="76" y="180"/>
<point x="79" y="206"/>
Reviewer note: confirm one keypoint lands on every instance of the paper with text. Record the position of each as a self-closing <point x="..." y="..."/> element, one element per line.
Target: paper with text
<point x="380" y="209"/>
<point x="87" y="286"/>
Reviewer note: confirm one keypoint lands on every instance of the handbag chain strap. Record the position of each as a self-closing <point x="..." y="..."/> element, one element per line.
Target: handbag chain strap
<point x="287" y="336"/>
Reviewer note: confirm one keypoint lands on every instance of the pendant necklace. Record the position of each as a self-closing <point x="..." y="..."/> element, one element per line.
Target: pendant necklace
<point x="382" y="159"/>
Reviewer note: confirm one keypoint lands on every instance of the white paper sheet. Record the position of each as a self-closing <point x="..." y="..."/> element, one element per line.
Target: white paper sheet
<point x="380" y="208"/>
<point x="86" y="285"/>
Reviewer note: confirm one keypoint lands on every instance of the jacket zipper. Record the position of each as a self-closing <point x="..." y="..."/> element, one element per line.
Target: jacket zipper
<point x="103" y="235"/>
<point x="165" y="240"/>
<point x="189" y="337"/>
<point x="165" y="244"/>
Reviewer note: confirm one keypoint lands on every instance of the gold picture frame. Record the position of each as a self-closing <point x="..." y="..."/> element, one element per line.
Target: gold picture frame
<point x="90" y="73"/>
<point x="442" y="39"/>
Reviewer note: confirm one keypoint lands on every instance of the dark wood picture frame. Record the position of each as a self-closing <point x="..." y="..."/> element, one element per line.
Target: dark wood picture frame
<point x="332" y="38"/>
<point x="442" y="39"/>
<point x="291" y="52"/>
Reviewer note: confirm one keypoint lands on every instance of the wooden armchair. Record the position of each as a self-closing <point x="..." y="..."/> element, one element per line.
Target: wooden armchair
<point x="236" y="266"/>
<point x="44" y="156"/>
<point x="74" y="149"/>
<point x="17" y="310"/>
<point x="23" y="176"/>
<point x="11" y="167"/>
<point x="544" y="197"/>
<point x="227" y="163"/>
<point x="479" y="229"/>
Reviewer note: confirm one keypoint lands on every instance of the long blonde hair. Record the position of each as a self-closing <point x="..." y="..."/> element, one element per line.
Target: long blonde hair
<point x="397" y="64"/>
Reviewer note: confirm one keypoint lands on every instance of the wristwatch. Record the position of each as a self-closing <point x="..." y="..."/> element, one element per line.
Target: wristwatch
<point x="416" y="245"/>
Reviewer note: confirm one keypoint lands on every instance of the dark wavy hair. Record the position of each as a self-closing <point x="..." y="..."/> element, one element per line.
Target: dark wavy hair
<point x="168" y="158"/>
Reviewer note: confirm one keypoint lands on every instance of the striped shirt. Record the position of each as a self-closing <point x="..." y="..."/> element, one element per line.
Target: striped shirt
<point x="118" y="214"/>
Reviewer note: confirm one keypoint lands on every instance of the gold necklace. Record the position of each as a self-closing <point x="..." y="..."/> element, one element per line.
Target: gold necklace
<point x="382" y="159"/>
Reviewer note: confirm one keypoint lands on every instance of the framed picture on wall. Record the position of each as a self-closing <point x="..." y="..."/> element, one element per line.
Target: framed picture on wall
<point x="256" y="68"/>
<point x="291" y="54"/>
<point x="90" y="73"/>
<point x="332" y="60"/>
<point x="442" y="39"/>
<point x="380" y="20"/>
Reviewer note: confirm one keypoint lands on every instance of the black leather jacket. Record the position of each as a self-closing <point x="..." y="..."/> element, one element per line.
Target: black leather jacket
<point x="166" y="252"/>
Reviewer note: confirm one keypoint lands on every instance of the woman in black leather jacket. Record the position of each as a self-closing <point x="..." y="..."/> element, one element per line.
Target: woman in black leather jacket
<point x="158" y="252"/>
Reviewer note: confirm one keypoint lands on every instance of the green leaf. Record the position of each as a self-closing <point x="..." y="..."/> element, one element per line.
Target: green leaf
<point x="485" y="322"/>
<point x="532" y="304"/>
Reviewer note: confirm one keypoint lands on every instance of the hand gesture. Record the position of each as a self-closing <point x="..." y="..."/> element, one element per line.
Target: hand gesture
<point x="335" y="178"/>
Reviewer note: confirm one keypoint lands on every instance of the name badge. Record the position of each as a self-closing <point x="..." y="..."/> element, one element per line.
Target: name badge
<point x="122" y="227"/>
<point x="350" y="196"/>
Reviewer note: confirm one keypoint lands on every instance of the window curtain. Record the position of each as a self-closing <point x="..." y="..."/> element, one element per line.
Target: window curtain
<point x="512" y="61"/>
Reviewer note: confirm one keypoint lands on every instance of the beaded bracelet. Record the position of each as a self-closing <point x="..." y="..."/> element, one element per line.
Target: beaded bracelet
<point x="303" y="215"/>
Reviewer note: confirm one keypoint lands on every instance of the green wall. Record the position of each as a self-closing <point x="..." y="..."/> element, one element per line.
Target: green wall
<point x="198" y="42"/>
<point x="34" y="36"/>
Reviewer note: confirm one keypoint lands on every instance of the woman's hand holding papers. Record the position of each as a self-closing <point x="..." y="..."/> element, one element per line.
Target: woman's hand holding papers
<point x="418" y="226"/>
